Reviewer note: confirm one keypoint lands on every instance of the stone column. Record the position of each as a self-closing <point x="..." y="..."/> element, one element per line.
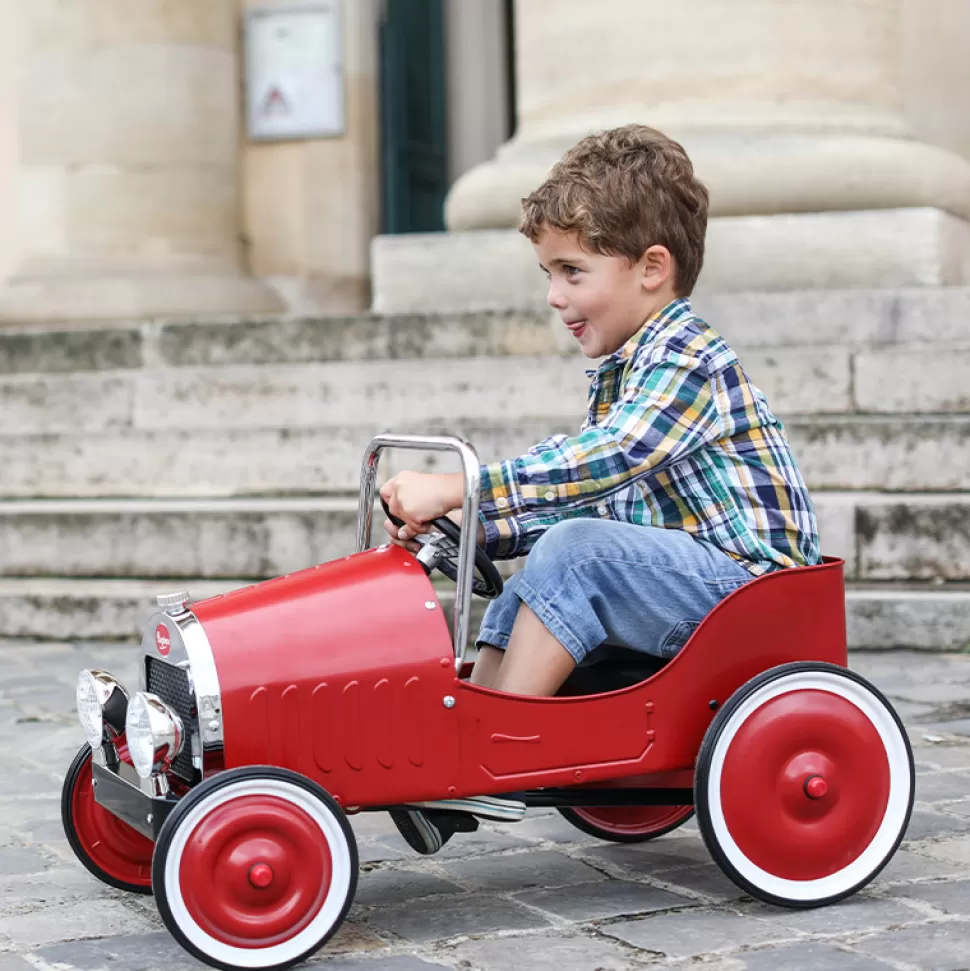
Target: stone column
<point x="794" y="116"/>
<point x="478" y="117"/>
<point x="128" y="139"/>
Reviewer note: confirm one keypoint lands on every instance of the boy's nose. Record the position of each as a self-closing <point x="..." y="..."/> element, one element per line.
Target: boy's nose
<point x="555" y="299"/>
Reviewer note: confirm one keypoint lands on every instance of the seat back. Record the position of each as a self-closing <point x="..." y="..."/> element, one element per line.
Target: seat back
<point x="796" y="614"/>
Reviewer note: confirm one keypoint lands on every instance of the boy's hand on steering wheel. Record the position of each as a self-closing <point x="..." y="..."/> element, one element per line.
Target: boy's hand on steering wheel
<point x="394" y="532"/>
<point x="415" y="501"/>
<point x="418" y="498"/>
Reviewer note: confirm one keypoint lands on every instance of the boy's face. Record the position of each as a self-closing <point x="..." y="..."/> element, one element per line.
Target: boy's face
<point x="603" y="300"/>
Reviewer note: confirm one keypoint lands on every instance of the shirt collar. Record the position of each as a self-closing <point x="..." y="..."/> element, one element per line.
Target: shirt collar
<point x="675" y="310"/>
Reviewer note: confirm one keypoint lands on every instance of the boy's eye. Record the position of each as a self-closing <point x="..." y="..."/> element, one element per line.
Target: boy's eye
<point x="570" y="271"/>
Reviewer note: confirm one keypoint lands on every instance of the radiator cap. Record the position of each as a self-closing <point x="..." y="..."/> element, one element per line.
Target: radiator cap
<point x="173" y="603"/>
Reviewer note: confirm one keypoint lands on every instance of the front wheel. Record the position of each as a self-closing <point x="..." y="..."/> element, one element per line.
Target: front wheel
<point x="114" y="852"/>
<point x="627" y="824"/>
<point x="804" y="785"/>
<point x="255" y="868"/>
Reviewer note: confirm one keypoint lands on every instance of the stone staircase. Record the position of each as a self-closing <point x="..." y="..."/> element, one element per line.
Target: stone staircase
<point x="209" y="454"/>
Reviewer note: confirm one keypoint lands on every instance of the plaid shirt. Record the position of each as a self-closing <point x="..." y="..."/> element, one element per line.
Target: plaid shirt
<point x="676" y="436"/>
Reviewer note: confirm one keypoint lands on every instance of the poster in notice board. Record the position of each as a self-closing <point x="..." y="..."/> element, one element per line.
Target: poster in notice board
<point x="294" y="71"/>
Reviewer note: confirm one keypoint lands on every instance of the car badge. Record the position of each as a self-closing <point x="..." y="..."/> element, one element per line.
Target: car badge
<point x="163" y="640"/>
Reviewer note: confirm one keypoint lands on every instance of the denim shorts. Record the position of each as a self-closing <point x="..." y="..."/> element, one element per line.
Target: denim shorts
<point x="595" y="583"/>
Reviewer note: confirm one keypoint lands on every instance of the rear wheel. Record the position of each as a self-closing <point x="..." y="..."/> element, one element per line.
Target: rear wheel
<point x="804" y="785"/>
<point x="627" y="824"/>
<point x="114" y="852"/>
<point x="255" y="868"/>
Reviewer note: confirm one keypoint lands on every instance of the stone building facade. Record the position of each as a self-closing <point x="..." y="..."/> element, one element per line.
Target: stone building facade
<point x="833" y="133"/>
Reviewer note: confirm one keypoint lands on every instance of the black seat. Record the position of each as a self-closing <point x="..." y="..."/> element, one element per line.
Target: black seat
<point x="610" y="668"/>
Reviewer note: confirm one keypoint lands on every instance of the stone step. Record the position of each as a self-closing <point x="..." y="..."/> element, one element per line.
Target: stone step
<point x="900" y="453"/>
<point x="63" y="609"/>
<point x="882" y="536"/>
<point x="67" y="609"/>
<point x="253" y="538"/>
<point x="811" y="381"/>
<point x="885" y="536"/>
<point x="822" y="319"/>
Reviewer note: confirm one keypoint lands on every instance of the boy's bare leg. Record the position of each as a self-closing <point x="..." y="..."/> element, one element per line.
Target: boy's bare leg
<point x="486" y="667"/>
<point x="535" y="663"/>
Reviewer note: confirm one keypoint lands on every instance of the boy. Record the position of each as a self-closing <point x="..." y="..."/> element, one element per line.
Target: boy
<point x="680" y="485"/>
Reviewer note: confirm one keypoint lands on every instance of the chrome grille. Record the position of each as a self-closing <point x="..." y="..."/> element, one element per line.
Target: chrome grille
<point x="171" y="684"/>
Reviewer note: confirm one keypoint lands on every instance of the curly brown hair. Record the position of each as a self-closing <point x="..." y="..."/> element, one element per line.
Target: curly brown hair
<point x="623" y="191"/>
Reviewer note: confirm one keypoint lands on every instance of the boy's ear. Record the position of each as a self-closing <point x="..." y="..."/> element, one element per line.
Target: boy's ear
<point x="658" y="267"/>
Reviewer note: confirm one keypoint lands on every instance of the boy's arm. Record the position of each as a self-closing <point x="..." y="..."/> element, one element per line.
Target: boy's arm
<point x="666" y="412"/>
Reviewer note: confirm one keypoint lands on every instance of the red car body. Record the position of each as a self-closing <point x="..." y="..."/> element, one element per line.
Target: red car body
<point x="345" y="673"/>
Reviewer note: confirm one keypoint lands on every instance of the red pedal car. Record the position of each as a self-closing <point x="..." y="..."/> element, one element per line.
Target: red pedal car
<point x="266" y="716"/>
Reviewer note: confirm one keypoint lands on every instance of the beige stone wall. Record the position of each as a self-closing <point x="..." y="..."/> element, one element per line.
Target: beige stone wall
<point x="311" y="207"/>
<point x="936" y="71"/>
<point x="10" y="53"/>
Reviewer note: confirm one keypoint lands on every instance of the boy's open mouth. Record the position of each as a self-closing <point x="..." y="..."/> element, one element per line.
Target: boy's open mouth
<point x="576" y="327"/>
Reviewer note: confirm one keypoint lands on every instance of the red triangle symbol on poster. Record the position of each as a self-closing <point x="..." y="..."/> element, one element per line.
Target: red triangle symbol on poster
<point x="275" y="103"/>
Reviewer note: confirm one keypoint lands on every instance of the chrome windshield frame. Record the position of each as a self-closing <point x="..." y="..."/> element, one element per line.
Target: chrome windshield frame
<point x="471" y="470"/>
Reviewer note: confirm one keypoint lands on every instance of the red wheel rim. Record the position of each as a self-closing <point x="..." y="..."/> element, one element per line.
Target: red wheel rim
<point x="121" y="852"/>
<point x="255" y="871"/>
<point x="805" y="784"/>
<point x="633" y="820"/>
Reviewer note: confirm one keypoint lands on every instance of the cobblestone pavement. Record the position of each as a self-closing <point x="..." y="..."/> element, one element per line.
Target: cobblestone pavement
<point x="537" y="893"/>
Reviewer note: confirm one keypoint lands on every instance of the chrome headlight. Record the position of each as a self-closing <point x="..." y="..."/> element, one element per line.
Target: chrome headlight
<point x="101" y="700"/>
<point x="154" y="734"/>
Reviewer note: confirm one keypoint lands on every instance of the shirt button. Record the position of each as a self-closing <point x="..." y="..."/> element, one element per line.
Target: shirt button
<point x="549" y="496"/>
<point x="501" y="502"/>
<point x="602" y="510"/>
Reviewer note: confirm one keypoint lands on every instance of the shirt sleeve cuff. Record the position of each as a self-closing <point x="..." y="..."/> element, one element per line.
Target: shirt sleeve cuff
<point x="501" y="537"/>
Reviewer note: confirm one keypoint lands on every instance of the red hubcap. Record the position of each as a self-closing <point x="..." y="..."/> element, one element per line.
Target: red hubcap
<point x="805" y="784"/>
<point x="633" y="820"/>
<point x="261" y="875"/>
<point x="816" y="787"/>
<point x="113" y="846"/>
<point x="255" y="871"/>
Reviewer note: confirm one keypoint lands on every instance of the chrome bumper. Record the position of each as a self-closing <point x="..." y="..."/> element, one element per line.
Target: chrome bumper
<point x="119" y="790"/>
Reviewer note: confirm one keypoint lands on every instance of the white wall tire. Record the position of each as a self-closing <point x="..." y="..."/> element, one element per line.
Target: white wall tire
<point x="804" y="785"/>
<point x="255" y="868"/>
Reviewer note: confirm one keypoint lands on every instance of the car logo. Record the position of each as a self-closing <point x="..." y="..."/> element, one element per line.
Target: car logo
<point x="163" y="640"/>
